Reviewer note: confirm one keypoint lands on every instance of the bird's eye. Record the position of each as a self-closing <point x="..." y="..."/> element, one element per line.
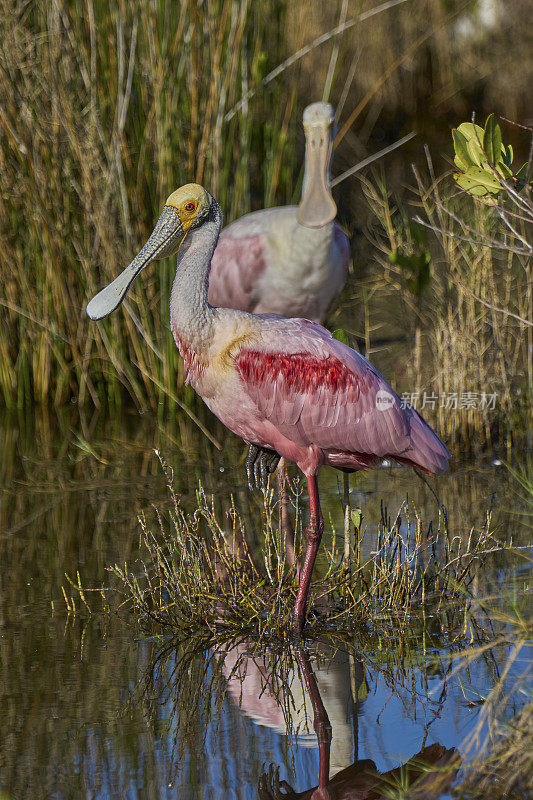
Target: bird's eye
<point x="189" y="207"/>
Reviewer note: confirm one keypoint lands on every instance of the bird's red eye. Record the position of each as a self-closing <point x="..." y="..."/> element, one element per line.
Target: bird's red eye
<point x="189" y="207"/>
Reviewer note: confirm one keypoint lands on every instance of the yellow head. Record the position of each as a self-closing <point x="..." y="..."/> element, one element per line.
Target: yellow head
<point x="186" y="209"/>
<point x="192" y="202"/>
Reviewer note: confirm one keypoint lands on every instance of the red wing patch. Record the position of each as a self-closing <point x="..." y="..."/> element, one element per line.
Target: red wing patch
<point x="301" y="372"/>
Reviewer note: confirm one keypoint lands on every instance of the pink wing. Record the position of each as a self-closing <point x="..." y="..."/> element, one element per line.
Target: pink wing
<point x="316" y="391"/>
<point x="237" y="265"/>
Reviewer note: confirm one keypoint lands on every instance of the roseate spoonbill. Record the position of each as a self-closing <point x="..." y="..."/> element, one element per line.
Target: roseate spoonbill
<point x="281" y="384"/>
<point x="291" y="260"/>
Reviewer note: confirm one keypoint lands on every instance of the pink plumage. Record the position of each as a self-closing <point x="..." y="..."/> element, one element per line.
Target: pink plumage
<point x="316" y="401"/>
<point x="266" y="262"/>
<point x="236" y="268"/>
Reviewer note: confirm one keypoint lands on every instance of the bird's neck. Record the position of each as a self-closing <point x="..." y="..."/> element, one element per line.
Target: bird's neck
<point x="191" y="316"/>
<point x="307" y="175"/>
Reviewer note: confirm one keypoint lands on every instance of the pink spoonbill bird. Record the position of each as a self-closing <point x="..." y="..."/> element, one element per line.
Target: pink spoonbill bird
<point x="284" y="385"/>
<point x="290" y="260"/>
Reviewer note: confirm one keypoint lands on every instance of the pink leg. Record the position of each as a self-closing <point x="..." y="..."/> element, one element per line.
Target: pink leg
<point x="314" y="535"/>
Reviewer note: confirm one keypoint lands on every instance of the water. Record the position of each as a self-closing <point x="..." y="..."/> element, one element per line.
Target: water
<point x="91" y="708"/>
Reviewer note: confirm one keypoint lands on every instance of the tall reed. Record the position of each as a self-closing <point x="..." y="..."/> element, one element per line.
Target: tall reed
<point x="103" y="114"/>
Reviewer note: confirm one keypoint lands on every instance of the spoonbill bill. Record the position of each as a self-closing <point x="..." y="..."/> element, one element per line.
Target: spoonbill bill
<point x="284" y="385"/>
<point x="290" y="260"/>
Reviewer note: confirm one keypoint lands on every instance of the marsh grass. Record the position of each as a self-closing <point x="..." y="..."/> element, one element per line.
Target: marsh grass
<point x="197" y="573"/>
<point x="503" y="737"/>
<point x="103" y="114"/>
<point x="507" y="769"/>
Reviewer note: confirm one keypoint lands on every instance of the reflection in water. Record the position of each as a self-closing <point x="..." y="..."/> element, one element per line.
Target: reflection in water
<point x="429" y="770"/>
<point x="275" y="694"/>
<point x="326" y="697"/>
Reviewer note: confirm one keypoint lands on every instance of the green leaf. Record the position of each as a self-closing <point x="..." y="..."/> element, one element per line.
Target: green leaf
<point x="508" y="154"/>
<point x="474" y="140"/>
<point x="476" y="153"/>
<point x="341" y="336"/>
<point x="492" y="140"/>
<point x="504" y="170"/>
<point x="478" y="182"/>
<point x="522" y="172"/>
<point x="469" y="131"/>
<point x="356" y="516"/>
<point x="462" y="158"/>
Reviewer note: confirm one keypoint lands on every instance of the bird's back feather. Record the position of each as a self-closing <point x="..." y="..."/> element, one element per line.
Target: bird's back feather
<point x="317" y="391"/>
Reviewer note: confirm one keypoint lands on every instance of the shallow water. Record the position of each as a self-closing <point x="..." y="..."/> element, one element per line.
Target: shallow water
<point x="91" y="708"/>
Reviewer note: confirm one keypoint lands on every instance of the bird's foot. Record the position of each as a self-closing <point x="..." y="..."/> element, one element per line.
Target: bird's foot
<point x="260" y="463"/>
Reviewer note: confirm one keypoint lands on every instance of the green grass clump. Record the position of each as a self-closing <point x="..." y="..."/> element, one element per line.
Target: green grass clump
<point x="197" y="574"/>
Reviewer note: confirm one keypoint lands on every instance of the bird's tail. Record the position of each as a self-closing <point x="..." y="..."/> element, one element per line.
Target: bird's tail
<point x="426" y="451"/>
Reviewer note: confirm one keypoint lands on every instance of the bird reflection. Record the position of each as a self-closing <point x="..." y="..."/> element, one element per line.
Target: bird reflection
<point x="281" y="692"/>
<point x="425" y="775"/>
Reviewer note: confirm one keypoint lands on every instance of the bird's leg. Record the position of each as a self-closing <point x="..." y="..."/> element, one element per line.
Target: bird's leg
<point x="313" y="535"/>
<point x="268" y="461"/>
<point x="321" y="721"/>
<point x="284" y="519"/>
<point x="285" y="525"/>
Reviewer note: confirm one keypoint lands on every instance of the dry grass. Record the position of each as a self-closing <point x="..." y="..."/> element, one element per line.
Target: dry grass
<point x="506" y="772"/>
<point x="103" y="114"/>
